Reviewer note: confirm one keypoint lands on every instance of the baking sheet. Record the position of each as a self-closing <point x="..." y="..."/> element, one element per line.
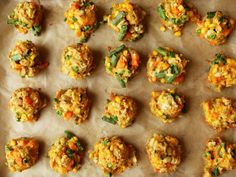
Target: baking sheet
<point x="189" y="128"/>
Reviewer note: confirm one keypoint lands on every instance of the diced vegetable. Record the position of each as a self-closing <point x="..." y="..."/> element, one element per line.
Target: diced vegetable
<point x="111" y="119"/>
<point x="118" y="18"/>
<point x="123" y="32"/>
<point x="160" y="75"/>
<point x="114" y="60"/>
<point x="117" y="50"/>
<point x="210" y="14"/>
<point x="16" y="57"/>
<point x="215" y="172"/>
<point x="69" y="134"/>
<point x="219" y="59"/>
<point x="121" y="81"/>
<point x="162" y="51"/>
<point x="161" y="12"/>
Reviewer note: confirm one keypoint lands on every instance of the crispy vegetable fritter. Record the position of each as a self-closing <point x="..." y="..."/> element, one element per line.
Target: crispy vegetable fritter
<point x="220" y="113"/>
<point x="73" y="103"/>
<point x="164" y="153"/>
<point x="166" y="105"/>
<point x="81" y="17"/>
<point x="219" y="157"/>
<point x="122" y="63"/>
<point x="25" y="59"/>
<point x="27" y="103"/>
<point x="26" y="17"/>
<point x="174" y="14"/>
<point x="113" y="155"/>
<point x="127" y="19"/>
<point x="77" y="61"/>
<point x="222" y="72"/>
<point x="120" y="110"/>
<point x="166" y="66"/>
<point x="215" y="27"/>
<point x="21" y="153"/>
<point x="66" y="154"/>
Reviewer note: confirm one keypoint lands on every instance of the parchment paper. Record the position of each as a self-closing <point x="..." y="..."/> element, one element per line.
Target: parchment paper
<point x="189" y="128"/>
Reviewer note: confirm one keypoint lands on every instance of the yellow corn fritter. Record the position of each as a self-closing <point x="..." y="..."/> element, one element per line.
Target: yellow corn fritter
<point x="27" y="16"/>
<point x="25" y="59"/>
<point x="220" y="113"/>
<point x="127" y="19"/>
<point x="66" y="154"/>
<point x="219" y="156"/>
<point x="27" y="103"/>
<point x="77" y="61"/>
<point x="122" y="63"/>
<point x="81" y="17"/>
<point x="164" y="153"/>
<point x="174" y="14"/>
<point x="215" y="27"/>
<point x="120" y="110"/>
<point x="21" y="153"/>
<point x="113" y="155"/>
<point x="166" y="105"/>
<point x="222" y="72"/>
<point x="72" y="103"/>
<point x="166" y="66"/>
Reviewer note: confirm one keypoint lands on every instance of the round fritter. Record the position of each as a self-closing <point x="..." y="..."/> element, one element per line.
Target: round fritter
<point x="222" y="72"/>
<point x="220" y="113"/>
<point x="175" y="14"/>
<point x="27" y="103"/>
<point x="113" y="155"/>
<point x="166" y="66"/>
<point x="164" y="153"/>
<point x="120" y="110"/>
<point x="73" y="103"/>
<point x="77" y="61"/>
<point x="26" y="17"/>
<point x="122" y="63"/>
<point x="219" y="157"/>
<point x="215" y="27"/>
<point x="66" y="154"/>
<point x="25" y="60"/>
<point x="126" y="18"/>
<point x="21" y="153"/>
<point x="81" y="17"/>
<point x="166" y="105"/>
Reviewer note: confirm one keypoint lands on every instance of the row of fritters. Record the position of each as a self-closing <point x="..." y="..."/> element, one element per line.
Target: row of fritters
<point x="113" y="155"/>
<point x="164" y="64"/>
<point x="127" y="19"/>
<point x="74" y="104"/>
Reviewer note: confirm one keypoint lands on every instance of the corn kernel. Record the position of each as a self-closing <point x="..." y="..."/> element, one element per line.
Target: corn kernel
<point x="207" y="23"/>
<point x="178" y="34"/>
<point x="162" y="28"/>
<point x="204" y="30"/>
<point x="181" y="8"/>
<point x="211" y="25"/>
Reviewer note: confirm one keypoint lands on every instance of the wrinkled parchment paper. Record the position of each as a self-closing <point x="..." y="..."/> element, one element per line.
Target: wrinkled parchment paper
<point x="189" y="128"/>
